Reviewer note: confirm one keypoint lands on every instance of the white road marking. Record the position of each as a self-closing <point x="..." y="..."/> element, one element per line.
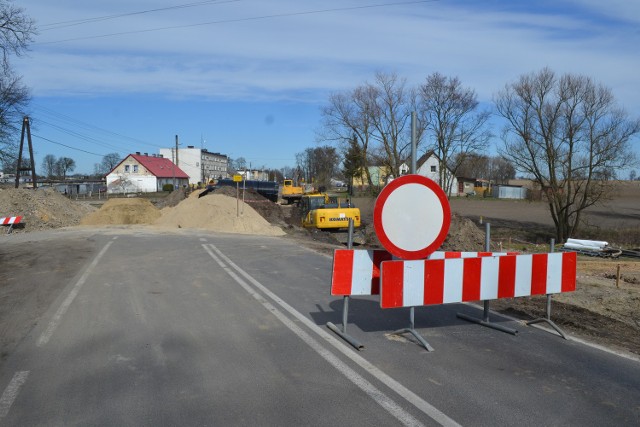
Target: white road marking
<point x="381" y="398"/>
<point x="57" y="318"/>
<point x="11" y="392"/>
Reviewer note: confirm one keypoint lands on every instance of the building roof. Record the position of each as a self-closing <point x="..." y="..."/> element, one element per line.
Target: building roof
<point x="422" y="159"/>
<point x="160" y="167"/>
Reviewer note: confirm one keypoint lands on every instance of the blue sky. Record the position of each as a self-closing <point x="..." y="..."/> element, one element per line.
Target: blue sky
<point x="248" y="78"/>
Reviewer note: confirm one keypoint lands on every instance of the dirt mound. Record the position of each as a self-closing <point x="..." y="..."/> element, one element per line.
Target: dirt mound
<point x="41" y="209"/>
<point x="175" y="197"/>
<point x="464" y="235"/>
<point x="270" y="211"/>
<point x="216" y="212"/>
<point x="123" y="211"/>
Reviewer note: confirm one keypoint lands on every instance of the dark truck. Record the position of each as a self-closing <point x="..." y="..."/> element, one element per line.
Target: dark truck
<point x="268" y="189"/>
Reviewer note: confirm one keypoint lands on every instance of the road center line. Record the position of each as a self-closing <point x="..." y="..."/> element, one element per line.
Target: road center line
<point x="57" y="318"/>
<point x="381" y="398"/>
<point x="11" y="392"/>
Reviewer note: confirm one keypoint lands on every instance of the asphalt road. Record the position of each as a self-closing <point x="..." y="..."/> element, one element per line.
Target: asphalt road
<point x="214" y="329"/>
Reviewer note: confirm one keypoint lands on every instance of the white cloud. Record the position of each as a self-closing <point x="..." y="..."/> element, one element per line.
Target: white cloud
<point x="282" y="57"/>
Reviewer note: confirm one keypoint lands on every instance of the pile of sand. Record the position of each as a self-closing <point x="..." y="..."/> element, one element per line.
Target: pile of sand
<point x="216" y="212"/>
<point x="41" y="209"/>
<point x="123" y="211"/>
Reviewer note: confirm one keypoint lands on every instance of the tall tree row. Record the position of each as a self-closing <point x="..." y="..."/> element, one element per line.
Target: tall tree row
<point x="377" y="116"/>
<point x="565" y="132"/>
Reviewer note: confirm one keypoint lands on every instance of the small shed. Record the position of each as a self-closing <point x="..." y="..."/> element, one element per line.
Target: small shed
<point x="509" y="192"/>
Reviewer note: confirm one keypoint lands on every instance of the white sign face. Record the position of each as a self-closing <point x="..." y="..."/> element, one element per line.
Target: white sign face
<point x="412" y="217"/>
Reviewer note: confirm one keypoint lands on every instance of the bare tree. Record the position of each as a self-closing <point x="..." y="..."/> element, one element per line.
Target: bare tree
<point x="123" y="182"/>
<point x="347" y="118"/>
<point x="110" y="161"/>
<point x="49" y="165"/>
<point x="376" y="117"/>
<point x="568" y="134"/>
<point x="16" y="31"/>
<point x="500" y="170"/>
<point x="472" y="165"/>
<point x="453" y="122"/>
<point x="318" y="164"/>
<point x="239" y="164"/>
<point x="391" y="113"/>
<point x="64" y="165"/>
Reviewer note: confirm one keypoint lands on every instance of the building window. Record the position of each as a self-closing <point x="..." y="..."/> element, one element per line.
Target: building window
<point x="126" y="168"/>
<point x="433" y="169"/>
<point x="135" y="168"/>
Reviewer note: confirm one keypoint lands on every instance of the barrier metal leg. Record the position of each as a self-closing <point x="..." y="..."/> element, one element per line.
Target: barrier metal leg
<point x="486" y="322"/>
<point x="345" y="306"/>
<point x="485" y="317"/>
<point x="411" y="330"/>
<point x="547" y="319"/>
<point x="342" y="333"/>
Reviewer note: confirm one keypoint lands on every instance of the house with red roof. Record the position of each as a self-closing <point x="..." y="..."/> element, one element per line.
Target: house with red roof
<point x="143" y="173"/>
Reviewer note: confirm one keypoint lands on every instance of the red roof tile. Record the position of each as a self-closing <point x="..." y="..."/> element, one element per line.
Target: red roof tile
<point x="160" y="166"/>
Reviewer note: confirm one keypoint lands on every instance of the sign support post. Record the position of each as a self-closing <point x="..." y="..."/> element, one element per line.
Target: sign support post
<point x="415" y="233"/>
<point x="411" y="329"/>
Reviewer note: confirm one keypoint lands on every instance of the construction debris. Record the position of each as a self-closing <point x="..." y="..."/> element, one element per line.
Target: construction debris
<point x="591" y="248"/>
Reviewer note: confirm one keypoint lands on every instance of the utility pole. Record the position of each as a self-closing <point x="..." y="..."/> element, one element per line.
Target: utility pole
<point x="32" y="163"/>
<point x="175" y="165"/>
<point x="177" y="161"/>
<point x="414" y="141"/>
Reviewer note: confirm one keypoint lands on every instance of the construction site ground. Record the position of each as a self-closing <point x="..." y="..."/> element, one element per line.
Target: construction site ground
<point x="54" y="238"/>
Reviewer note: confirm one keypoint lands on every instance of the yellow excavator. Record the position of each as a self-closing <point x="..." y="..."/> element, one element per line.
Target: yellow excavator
<point x="290" y="192"/>
<point x="323" y="211"/>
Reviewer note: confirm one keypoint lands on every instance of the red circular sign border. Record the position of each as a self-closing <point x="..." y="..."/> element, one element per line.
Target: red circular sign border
<point x="377" y="217"/>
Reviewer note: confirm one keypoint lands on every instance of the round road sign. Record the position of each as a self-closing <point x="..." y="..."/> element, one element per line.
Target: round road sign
<point x="412" y="217"/>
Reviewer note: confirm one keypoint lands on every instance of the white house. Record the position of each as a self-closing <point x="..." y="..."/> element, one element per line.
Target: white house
<point x="144" y="173"/>
<point x="201" y="165"/>
<point x="429" y="165"/>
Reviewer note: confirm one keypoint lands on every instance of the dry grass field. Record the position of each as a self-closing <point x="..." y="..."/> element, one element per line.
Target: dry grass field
<point x="616" y="220"/>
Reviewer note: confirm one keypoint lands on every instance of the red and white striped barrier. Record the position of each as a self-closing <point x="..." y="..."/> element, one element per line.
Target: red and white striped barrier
<point x="357" y="271"/>
<point x="450" y="280"/>
<point x="10" y="220"/>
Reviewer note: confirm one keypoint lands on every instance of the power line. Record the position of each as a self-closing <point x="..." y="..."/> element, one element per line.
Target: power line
<point x="227" y="21"/>
<point x="64" y="24"/>
<point x="78" y="135"/>
<point x="90" y="127"/>
<point x="65" y="145"/>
